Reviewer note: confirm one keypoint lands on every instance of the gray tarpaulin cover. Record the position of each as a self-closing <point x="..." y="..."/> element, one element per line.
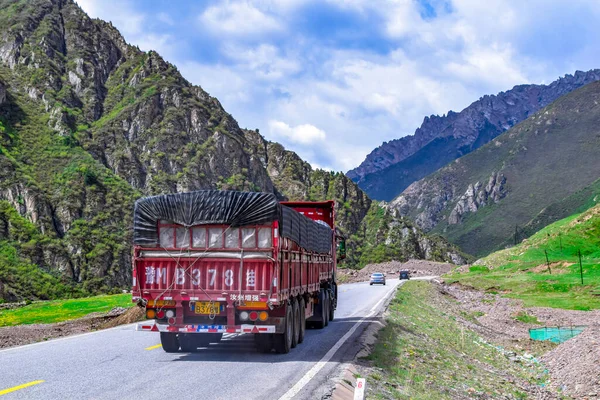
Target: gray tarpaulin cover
<point x="226" y="207"/>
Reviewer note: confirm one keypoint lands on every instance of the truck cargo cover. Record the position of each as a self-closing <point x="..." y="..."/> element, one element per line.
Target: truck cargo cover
<point x="226" y="207"/>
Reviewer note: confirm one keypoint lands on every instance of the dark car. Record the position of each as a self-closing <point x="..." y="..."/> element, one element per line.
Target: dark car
<point x="377" y="277"/>
<point x="404" y="275"/>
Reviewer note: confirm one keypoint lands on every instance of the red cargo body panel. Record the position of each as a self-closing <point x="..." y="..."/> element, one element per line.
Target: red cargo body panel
<point x="195" y="265"/>
<point x="203" y="279"/>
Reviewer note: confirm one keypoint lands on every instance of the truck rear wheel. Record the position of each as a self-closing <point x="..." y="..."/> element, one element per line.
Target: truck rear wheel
<point x="331" y="307"/>
<point x="169" y="342"/>
<point x="296" y="317"/>
<point x="302" y="308"/>
<point x="323" y="306"/>
<point x="283" y="341"/>
<point x="326" y="309"/>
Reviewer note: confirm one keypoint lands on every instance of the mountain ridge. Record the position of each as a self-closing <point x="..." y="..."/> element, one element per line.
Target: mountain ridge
<point x="542" y="169"/>
<point x="393" y="166"/>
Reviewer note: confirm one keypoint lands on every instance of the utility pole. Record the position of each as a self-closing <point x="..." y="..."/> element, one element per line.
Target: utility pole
<point x="560" y="240"/>
<point x="580" y="267"/>
<point x="548" y="262"/>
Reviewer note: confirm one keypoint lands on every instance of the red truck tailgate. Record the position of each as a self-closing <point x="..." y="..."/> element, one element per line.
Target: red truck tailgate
<point x="193" y="277"/>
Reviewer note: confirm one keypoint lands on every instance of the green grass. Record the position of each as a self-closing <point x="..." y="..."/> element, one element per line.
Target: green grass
<point x="424" y="352"/>
<point x="46" y="312"/>
<point x="522" y="271"/>
<point x="527" y="319"/>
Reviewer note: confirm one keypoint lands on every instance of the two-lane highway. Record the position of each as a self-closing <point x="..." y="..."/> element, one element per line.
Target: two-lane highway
<point x="121" y="363"/>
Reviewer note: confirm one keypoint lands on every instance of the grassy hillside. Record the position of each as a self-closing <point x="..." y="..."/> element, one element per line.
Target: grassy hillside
<point x="522" y="271"/>
<point x="549" y="166"/>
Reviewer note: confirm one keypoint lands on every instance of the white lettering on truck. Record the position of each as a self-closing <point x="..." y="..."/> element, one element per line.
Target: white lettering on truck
<point x="196" y="277"/>
<point x="149" y="275"/>
<point x="179" y="276"/>
<point x="161" y="273"/>
<point x="154" y="275"/>
<point x="250" y="278"/>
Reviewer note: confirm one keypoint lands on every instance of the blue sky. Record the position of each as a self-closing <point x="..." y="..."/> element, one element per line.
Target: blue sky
<point x="332" y="80"/>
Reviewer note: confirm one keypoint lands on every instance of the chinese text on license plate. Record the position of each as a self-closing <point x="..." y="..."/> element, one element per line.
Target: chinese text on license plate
<point x="207" y="307"/>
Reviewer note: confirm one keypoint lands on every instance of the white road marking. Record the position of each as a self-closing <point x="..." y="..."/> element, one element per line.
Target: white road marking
<point x="318" y="366"/>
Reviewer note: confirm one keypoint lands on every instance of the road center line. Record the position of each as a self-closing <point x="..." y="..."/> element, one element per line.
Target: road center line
<point x="157" y="346"/>
<point x="318" y="366"/>
<point x="23" y="386"/>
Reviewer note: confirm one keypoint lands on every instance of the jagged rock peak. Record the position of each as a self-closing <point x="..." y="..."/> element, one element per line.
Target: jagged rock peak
<point x="500" y="112"/>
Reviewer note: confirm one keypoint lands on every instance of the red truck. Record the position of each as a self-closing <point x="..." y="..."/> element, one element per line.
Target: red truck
<point x="213" y="262"/>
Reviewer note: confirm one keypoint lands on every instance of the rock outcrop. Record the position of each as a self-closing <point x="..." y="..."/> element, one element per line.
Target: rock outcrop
<point x="392" y="167"/>
<point x="2" y="93"/>
<point x="478" y="196"/>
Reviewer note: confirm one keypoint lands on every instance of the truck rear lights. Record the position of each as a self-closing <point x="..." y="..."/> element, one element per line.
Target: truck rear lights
<point x="160" y="314"/>
<point x="253" y="315"/>
<point x="170" y="314"/>
<point x="171" y="321"/>
<point x="150" y="314"/>
<point x="244" y="315"/>
<point x="263" y="315"/>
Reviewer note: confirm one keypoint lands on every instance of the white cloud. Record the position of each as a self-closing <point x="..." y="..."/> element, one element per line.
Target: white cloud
<point x="271" y="65"/>
<point x="265" y="61"/>
<point x="219" y="81"/>
<point x="239" y="19"/>
<point x="402" y="18"/>
<point x="121" y="13"/>
<point x="305" y="134"/>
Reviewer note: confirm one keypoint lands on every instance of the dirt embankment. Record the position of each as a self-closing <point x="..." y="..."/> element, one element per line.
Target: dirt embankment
<point x="392" y="270"/>
<point x="11" y="336"/>
<point x="574" y="366"/>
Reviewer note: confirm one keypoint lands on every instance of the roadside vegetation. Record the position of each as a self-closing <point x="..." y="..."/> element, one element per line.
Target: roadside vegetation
<point x="427" y="351"/>
<point x="545" y="270"/>
<point x="46" y="312"/>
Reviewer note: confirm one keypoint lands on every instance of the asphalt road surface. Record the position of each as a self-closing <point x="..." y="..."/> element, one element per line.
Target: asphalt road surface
<point x="121" y="363"/>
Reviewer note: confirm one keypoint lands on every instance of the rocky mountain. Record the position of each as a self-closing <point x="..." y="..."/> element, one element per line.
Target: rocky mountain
<point x="541" y="170"/>
<point x="384" y="235"/>
<point x="393" y="166"/>
<point x="88" y="124"/>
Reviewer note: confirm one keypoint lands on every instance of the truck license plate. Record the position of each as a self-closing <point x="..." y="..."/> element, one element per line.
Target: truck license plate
<point x="207" y="308"/>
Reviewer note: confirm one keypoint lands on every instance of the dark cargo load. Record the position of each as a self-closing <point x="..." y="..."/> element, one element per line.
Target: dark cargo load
<point x="230" y="208"/>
